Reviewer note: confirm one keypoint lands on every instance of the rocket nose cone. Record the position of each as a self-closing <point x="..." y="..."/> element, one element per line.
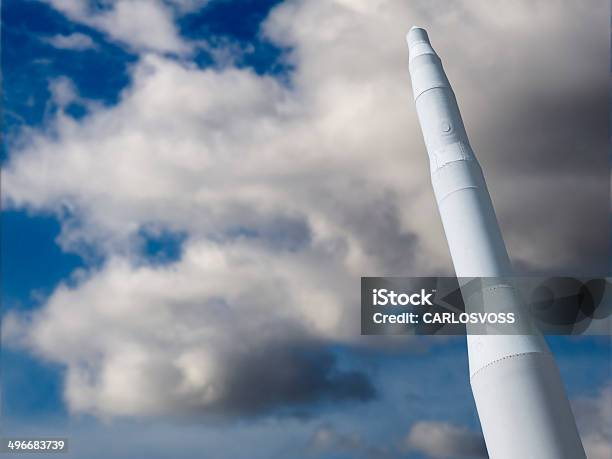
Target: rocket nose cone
<point x="418" y="43"/>
<point x="417" y="35"/>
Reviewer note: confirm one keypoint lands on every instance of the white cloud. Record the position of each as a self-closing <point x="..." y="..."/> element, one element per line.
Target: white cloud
<point x="63" y="91"/>
<point x="144" y="25"/>
<point x="441" y="440"/>
<point x="75" y="41"/>
<point x="176" y="339"/>
<point x="242" y="149"/>
<point x="287" y="194"/>
<point x="186" y="139"/>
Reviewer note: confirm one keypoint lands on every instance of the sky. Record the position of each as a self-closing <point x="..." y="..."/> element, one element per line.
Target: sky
<point x="192" y="189"/>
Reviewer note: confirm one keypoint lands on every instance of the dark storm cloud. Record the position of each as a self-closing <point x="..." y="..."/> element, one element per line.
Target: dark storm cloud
<point x="537" y="115"/>
<point x="554" y="131"/>
<point x="555" y="162"/>
<point x="292" y="375"/>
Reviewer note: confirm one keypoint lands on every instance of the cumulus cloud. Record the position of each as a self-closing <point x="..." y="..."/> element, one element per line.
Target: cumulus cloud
<point x="441" y="440"/>
<point x="228" y="329"/>
<point x="347" y="123"/>
<point x="140" y="24"/>
<point x="75" y="41"/>
<point x="287" y="194"/>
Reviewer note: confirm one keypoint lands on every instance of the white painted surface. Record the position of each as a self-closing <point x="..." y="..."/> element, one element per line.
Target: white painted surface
<point x="521" y="402"/>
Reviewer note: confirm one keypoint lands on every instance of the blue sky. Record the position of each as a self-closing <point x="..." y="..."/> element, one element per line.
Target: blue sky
<point x="51" y="243"/>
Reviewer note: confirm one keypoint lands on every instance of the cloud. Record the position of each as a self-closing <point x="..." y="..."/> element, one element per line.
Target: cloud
<point x="441" y="440"/>
<point x="187" y="6"/>
<point x="143" y="25"/>
<point x="347" y="123"/>
<point x="241" y="154"/>
<point x="75" y="41"/>
<point x="227" y="330"/>
<point x="288" y="193"/>
<point x="63" y="91"/>
<point x="594" y="418"/>
<point x="538" y="133"/>
<point x="328" y="439"/>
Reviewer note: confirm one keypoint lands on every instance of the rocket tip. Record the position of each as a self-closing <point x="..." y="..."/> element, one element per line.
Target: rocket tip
<point x="416" y="35"/>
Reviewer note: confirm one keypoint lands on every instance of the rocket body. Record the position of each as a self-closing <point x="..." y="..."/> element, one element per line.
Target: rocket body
<point x="523" y="409"/>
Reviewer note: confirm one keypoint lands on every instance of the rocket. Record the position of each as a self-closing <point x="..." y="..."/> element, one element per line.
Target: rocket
<point x="522" y="405"/>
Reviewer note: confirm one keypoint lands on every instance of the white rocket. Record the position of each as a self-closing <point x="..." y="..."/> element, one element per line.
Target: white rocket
<point x="523" y="409"/>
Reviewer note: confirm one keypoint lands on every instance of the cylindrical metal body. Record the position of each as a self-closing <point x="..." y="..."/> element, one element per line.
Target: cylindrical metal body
<point x="521" y="401"/>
